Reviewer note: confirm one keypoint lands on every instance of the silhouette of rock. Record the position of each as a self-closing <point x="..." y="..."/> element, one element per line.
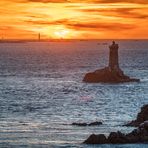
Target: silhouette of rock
<point x="141" y="117"/>
<point x="117" y="137"/>
<point x="80" y="124"/>
<point x="110" y="74"/>
<point x="106" y="75"/>
<point x="87" y="124"/>
<point x="96" y="139"/>
<point x="139" y="135"/>
<point x="94" y="123"/>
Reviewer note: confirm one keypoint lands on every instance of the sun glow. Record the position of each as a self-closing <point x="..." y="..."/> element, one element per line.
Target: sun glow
<point x="61" y="33"/>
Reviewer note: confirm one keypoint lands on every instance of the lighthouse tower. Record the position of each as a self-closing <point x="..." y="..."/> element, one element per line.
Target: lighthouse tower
<point x="113" y="56"/>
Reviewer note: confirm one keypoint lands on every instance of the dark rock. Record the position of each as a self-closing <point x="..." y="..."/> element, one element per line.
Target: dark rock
<point x="80" y="124"/>
<point x="141" y="117"/>
<point x="139" y="135"/>
<point x="146" y="125"/>
<point x="96" y="139"/>
<point x="106" y="75"/>
<point x="143" y="131"/>
<point x="87" y="124"/>
<point x="94" y="123"/>
<point x="133" y="139"/>
<point x="132" y="123"/>
<point x="117" y="137"/>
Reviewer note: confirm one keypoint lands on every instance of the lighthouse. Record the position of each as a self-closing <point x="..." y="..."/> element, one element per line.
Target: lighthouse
<point x="39" y="37"/>
<point x="113" y="56"/>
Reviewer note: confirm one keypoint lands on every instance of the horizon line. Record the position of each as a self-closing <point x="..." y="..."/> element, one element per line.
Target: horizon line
<point x="5" y="40"/>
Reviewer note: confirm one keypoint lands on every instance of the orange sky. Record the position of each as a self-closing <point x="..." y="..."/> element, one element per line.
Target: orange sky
<point x="83" y="19"/>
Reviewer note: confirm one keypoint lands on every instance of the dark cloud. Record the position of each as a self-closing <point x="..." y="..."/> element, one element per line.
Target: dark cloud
<point x="121" y="1"/>
<point x="49" y="1"/>
<point x="44" y="22"/>
<point x="99" y="26"/>
<point x="85" y="26"/>
<point x="37" y="16"/>
<point x="39" y="1"/>
<point x="85" y="1"/>
<point x="118" y="12"/>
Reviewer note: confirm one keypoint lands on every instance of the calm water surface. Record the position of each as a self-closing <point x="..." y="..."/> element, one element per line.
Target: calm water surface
<point x="42" y="93"/>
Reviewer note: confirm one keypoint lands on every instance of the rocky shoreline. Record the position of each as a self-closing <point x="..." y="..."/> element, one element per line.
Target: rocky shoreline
<point x="138" y="135"/>
<point x="141" y="117"/>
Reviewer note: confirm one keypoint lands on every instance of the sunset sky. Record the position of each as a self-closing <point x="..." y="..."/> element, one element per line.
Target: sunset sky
<point x="74" y="19"/>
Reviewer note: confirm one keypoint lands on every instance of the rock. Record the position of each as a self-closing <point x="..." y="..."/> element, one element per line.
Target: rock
<point x="132" y="123"/>
<point x="94" y="123"/>
<point x="139" y="135"/>
<point x="110" y="74"/>
<point x="117" y="137"/>
<point x="80" y="124"/>
<point x="96" y="139"/>
<point x="141" y="117"/>
<point x="87" y="124"/>
<point x="106" y="75"/>
<point x="133" y="139"/>
<point x="146" y="125"/>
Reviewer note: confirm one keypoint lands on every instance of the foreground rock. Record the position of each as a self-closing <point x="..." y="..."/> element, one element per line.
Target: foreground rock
<point x="141" y="117"/>
<point x="96" y="139"/>
<point x="110" y="74"/>
<point x="139" y="135"/>
<point x="87" y="124"/>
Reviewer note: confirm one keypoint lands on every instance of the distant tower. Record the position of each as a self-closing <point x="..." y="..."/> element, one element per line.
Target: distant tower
<point x="39" y="37"/>
<point x="113" y="56"/>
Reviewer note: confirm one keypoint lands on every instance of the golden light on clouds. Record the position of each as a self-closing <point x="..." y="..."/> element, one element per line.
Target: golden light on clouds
<point x="61" y="33"/>
<point x="24" y="19"/>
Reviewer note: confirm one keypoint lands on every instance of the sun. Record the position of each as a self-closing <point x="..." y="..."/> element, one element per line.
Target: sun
<point x="61" y="33"/>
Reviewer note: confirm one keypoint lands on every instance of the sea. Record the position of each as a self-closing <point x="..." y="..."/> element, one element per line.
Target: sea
<point x="42" y="92"/>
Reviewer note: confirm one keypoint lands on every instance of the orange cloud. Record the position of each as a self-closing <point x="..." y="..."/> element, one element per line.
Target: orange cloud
<point x="118" y="12"/>
<point x="9" y="32"/>
<point x="83" y="1"/>
<point x="49" y="1"/>
<point x="78" y="25"/>
<point x="120" y="1"/>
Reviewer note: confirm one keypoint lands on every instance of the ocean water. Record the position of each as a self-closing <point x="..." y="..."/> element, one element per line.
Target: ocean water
<point x="42" y="93"/>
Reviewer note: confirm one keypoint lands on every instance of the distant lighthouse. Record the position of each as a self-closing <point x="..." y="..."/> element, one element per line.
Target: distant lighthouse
<point x="39" y="37"/>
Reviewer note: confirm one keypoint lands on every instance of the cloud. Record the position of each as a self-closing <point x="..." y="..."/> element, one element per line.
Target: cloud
<point x="85" y="25"/>
<point x="44" y="22"/>
<point x="120" y="1"/>
<point x="119" y="12"/>
<point x="84" y="1"/>
<point x="41" y="1"/>
<point x="38" y="1"/>
<point x="15" y="32"/>
<point x="98" y="26"/>
<point x="49" y="1"/>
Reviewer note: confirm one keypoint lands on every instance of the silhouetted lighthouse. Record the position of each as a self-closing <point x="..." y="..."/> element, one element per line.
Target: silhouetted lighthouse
<point x="39" y="37"/>
<point x="113" y="56"/>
